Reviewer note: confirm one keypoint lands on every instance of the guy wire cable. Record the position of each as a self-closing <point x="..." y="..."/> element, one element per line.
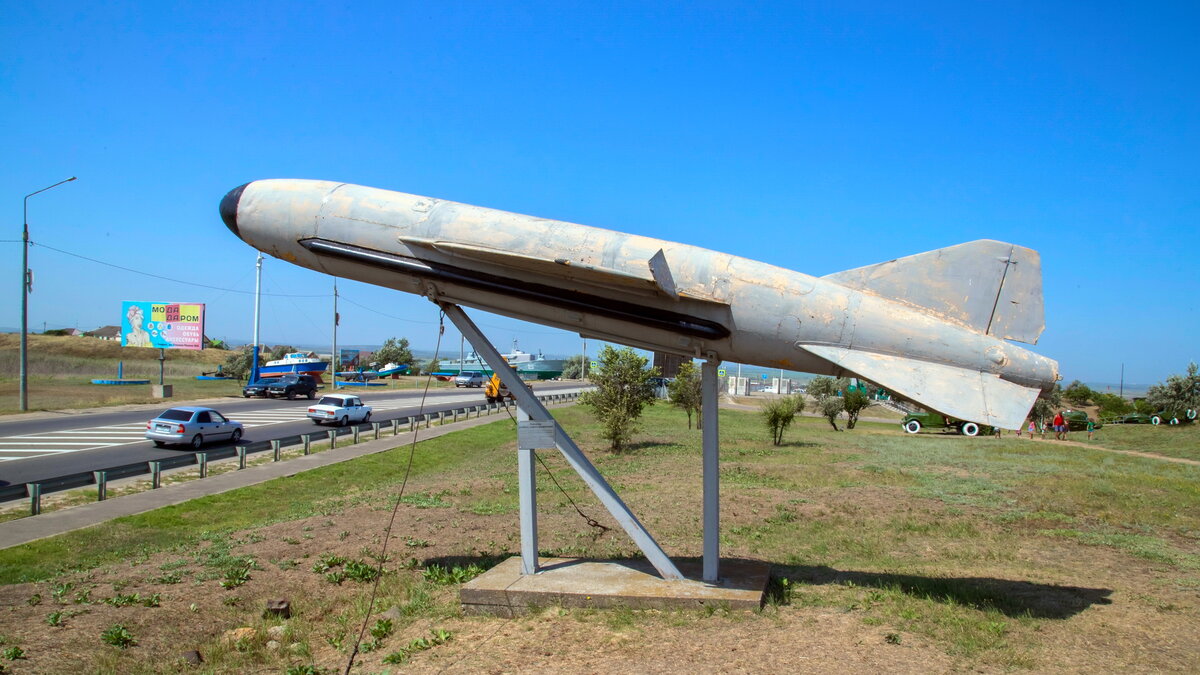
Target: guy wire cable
<point x="387" y="535"/>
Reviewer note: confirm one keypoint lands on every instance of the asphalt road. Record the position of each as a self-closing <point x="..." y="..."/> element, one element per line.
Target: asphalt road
<point x="44" y="446"/>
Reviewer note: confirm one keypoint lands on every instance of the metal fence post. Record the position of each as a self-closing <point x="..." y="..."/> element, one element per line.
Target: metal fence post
<point x="441" y="417"/>
<point x="395" y="426"/>
<point x="101" y="478"/>
<point x="34" y="490"/>
<point x="307" y="438"/>
<point x="275" y="445"/>
<point x="202" y="460"/>
<point x="332" y="438"/>
<point x="354" y="433"/>
<point x="455" y="411"/>
<point x="428" y="420"/>
<point x="241" y="451"/>
<point x="412" y="424"/>
<point x="155" y="475"/>
<point x="375" y="426"/>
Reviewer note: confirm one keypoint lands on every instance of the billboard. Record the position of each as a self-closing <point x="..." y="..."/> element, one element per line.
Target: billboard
<point x="349" y="360"/>
<point x="166" y="325"/>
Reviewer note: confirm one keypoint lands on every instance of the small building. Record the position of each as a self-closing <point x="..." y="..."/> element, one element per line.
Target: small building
<point x="106" y="333"/>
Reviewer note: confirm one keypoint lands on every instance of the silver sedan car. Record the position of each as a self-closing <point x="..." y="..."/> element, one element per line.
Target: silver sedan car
<point x="190" y="425"/>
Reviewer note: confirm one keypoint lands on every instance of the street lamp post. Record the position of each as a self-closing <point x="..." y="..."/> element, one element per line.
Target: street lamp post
<point x="26" y="284"/>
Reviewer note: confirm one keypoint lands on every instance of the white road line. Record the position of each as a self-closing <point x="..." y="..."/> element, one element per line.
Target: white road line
<point x="27" y="443"/>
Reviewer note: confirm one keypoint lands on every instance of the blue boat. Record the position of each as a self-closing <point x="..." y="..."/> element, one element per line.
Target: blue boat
<point x="296" y="362"/>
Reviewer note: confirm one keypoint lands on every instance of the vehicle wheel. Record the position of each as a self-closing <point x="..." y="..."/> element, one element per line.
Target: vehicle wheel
<point x="969" y="429"/>
<point x="237" y="436"/>
<point x="345" y="421"/>
<point x="366" y="418"/>
<point x="312" y="395"/>
<point x="912" y="426"/>
<point x="317" y="422"/>
<point x="159" y="444"/>
<point x="244" y="395"/>
<point x="197" y="441"/>
<point x="1156" y="420"/>
<point x="291" y="395"/>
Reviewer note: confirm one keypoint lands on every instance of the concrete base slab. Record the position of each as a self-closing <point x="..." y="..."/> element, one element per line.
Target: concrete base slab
<point x="570" y="582"/>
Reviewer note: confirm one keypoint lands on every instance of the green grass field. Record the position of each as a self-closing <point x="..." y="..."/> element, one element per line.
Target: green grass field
<point x="992" y="555"/>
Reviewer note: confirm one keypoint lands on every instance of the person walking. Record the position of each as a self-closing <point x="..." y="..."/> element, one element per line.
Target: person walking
<point x="1058" y="426"/>
<point x="1032" y="428"/>
<point x="1091" y="429"/>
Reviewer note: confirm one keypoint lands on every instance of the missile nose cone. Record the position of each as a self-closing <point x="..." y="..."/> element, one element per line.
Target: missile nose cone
<point x="229" y="207"/>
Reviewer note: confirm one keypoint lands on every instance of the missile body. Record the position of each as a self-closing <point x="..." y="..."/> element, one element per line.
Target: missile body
<point x="931" y="327"/>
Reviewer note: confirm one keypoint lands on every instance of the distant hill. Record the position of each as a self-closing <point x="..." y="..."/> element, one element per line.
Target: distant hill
<point x="95" y="348"/>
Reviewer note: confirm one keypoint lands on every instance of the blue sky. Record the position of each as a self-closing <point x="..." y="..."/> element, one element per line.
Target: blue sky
<point x="818" y="138"/>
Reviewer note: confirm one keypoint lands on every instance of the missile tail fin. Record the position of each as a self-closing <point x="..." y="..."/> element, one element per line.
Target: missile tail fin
<point x="957" y="392"/>
<point x="989" y="286"/>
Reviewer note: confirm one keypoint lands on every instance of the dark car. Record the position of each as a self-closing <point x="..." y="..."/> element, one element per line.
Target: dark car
<point x="292" y="386"/>
<point x="256" y="388"/>
<point x="915" y="422"/>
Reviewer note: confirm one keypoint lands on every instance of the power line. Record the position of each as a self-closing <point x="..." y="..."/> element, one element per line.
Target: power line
<point x="177" y="281"/>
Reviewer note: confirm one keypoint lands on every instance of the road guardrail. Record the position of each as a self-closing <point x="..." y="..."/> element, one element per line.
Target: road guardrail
<point x="355" y="433"/>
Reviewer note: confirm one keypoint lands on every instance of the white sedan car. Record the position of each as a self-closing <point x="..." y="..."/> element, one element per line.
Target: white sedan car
<point x="340" y="409"/>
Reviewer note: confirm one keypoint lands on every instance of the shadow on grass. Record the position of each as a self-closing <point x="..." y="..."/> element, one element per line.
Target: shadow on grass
<point x="1012" y="598"/>
<point x="1009" y="597"/>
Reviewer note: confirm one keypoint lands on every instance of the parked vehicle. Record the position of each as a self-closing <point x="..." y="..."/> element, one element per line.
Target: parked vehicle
<point x="340" y="409"/>
<point x="470" y="378"/>
<point x="292" y="386"/>
<point x="495" y="390"/>
<point x="1077" y="420"/>
<point x="1132" y="418"/>
<point x="192" y="426"/>
<point x="1173" y="417"/>
<point x="915" y="422"/>
<point x="256" y="388"/>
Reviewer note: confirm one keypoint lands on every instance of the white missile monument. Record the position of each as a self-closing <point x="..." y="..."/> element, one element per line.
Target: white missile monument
<point x="933" y="327"/>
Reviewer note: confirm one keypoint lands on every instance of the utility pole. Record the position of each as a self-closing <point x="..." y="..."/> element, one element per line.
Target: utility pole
<point x="335" y="360"/>
<point x="257" y="307"/>
<point x="26" y="288"/>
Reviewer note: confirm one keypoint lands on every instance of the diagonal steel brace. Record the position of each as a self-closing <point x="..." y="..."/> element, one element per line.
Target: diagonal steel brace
<point x="574" y="456"/>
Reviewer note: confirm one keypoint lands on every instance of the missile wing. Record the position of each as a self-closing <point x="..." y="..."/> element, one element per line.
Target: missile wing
<point x="930" y="327"/>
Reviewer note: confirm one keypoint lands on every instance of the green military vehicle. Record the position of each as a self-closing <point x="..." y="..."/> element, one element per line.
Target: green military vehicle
<point x="1077" y="420"/>
<point x="915" y="422"/>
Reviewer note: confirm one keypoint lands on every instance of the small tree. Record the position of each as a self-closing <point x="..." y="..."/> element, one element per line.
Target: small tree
<point x="622" y="390"/>
<point x="1111" y="405"/>
<point x="280" y="351"/>
<point x="1078" y="394"/>
<point x="573" y="367"/>
<point x="1178" y="395"/>
<point x="684" y="390"/>
<point x="394" y="350"/>
<point x="778" y="413"/>
<point x="822" y="387"/>
<point x="830" y="408"/>
<point x="1046" y="405"/>
<point x="238" y="362"/>
<point x="854" y="401"/>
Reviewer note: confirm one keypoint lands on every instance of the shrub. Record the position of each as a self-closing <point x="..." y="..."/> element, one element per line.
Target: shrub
<point x="778" y="413"/>
<point x="623" y="390"/>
